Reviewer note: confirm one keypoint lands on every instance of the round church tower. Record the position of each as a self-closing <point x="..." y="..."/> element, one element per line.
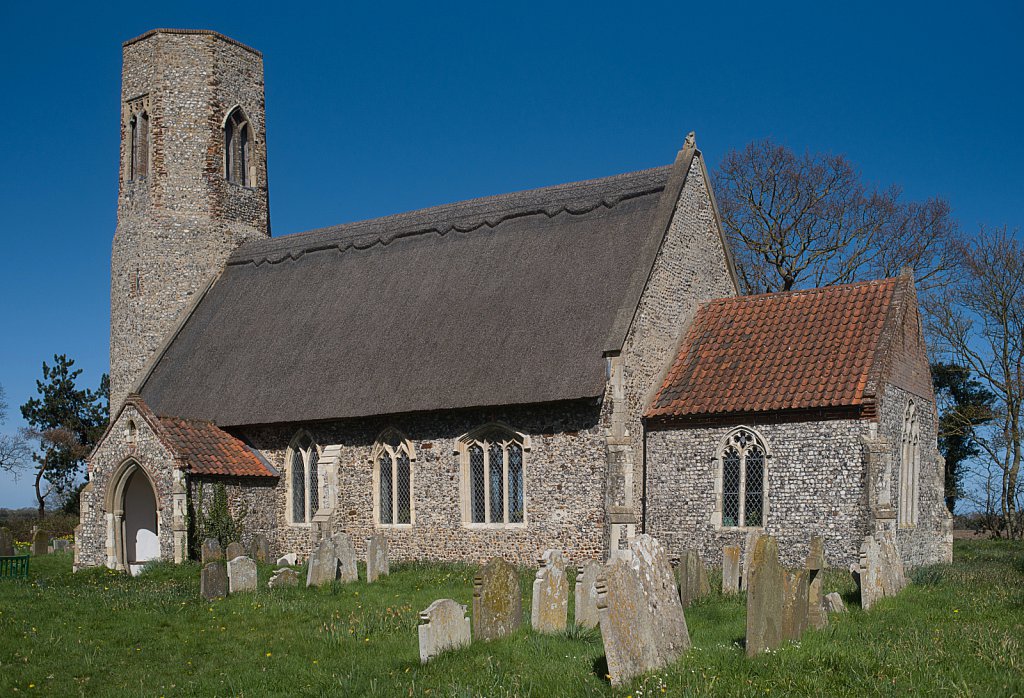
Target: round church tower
<point x="193" y="184"/>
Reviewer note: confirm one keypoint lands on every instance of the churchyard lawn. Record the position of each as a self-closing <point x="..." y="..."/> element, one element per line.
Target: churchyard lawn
<point x="957" y="630"/>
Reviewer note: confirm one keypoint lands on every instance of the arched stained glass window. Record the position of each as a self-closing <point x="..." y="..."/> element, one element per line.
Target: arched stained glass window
<point x="304" y="478"/>
<point x="493" y="474"/>
<point x="743" y="468"/>
<point x="393" y="461"/>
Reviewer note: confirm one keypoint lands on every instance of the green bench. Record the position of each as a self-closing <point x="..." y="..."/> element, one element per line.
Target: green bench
<point x="14" y="567"/>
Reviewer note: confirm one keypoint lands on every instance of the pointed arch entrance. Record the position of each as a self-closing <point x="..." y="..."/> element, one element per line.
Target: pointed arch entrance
<point x="133" y="519"/>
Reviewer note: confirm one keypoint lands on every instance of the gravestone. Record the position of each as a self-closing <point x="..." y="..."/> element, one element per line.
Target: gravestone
<point x="346" y="554"/>
<point x="794" y="603"/>
<point x="550" y="607"/>
<point x="880" y="572"/>
<point x="586" y="595"/>
<point x="213" y="584"/>
<point x="650" y="560"/>
<point x="731" y="569"/>
<point x="40" y="542"/>
<point x="211" y="551"/>
<point x="765" y="597"/>
<point x="693" y="578"/>
<point x="323" y="564"/>
<point x="497" y="600"/>
<point x="376" y="557"/>
<point x="289" y="560"/>
<point x="61" y="545"/>
<point x="285" y="577"/>
<point x="748" y="552"/>
<point x="443" y="626"/>
<point x="260" y="548"/>
<point x="816" y="616"/>
<point x="147" y="545"/>
<point x="241" y="574"/>
<point x="6" y="542"/>
<point x="834" y="603"/>
<point x="895" y="575"/>
<point x="234" y="550"/>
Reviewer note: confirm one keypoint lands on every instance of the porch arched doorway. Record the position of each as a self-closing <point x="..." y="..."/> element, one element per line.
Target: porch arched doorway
<point x="134" y="520"/>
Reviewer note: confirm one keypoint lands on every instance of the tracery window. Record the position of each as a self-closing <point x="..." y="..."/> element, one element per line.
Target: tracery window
<point x="493" y="476"/>
<point x="910" y="466"/>
<point x="138" y="165"/>
<point x="392" y="462"/>
<point x="743" y="461"/>
<point x="238" y="144"/>
<point x="303" y="459"/>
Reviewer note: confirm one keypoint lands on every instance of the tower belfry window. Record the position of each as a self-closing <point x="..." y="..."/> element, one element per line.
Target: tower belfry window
<point x="238" y="145"/>
<point x="139" y="145"/>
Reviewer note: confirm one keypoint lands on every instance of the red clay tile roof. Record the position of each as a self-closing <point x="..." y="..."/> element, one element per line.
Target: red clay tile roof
<point x="799" y="350"/>
<point x="209" y="450"/>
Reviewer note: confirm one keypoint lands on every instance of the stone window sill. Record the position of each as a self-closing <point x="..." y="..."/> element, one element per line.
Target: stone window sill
<point x="494" y="526"/>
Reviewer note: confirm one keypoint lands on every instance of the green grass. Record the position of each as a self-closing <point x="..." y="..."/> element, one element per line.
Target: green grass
<point x="958" y="631"/>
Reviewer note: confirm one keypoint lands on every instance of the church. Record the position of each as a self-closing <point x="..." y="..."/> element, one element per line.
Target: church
<point x="562" y="367"/>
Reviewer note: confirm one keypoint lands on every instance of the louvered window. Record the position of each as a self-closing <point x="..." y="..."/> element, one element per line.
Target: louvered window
<point x="304" y="478"/>
<point x="493" y="477"/>
<point x="393" y="479"/>
<point x="743" y="462"/>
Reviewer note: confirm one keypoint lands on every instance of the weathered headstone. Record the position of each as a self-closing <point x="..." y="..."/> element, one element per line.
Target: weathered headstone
<point x="896" y="579"/>
<point x="880" y="572"/>
<point x="748" y="552"/>
<point x="693" y="578"/>
<point x="586" y="595"/>
<point x="40" y="542"/>
<point x="794" y="603"/>
<point x="816" y="616"/>
<point x="241" y="574"/>
<point x="346" y="553"/>
<point x="285" y="577"/>
<point x="650" y="561"/>
<point x="213" y="584"/>
<point x="6" y="542"/>
<point x="211" y="551"/>
<point x="377" y="564"/>
<point x="290" y="559"/>
<point x="60" y="545"/>
<point x="234" y="550"/>
<point x="497" y="600"/>
<point x="443" y="626"/>
<point x="550" y="607"/>
<point x="731" y="569"/>
<point x="765" y="597"/>
<point x="323" y="564"/>
<point x="260" y="548"/>
<point x="834" y="603"/>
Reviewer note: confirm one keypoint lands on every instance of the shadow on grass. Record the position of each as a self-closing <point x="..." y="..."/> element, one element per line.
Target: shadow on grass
<point x="601" y="669"/>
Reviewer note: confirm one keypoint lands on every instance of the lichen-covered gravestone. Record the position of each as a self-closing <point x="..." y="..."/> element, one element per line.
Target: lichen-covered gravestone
<point x="693" y="578"/>
<point x="40" y="542"/>
<point x="323" y="564"/>
<point x="346" y="554"/>
<point x="731" y="569"/>
<point x="260" y="548"/>
<point x="497" y="600"/>
<point x="284" y="577"/>
<point x="765" y="597"/>
<point x="550" y="607"/>
<point x="816" y="616"/>
<point x="211" y="551"/>
<point x="213" y="584"/>
<point x="834" y="603"/>
<point x="376" y="557"/>
<point x="655" y="571"/>
<point x="748" y="552"/>
<point x="443" y="626"/>
<point x="586" y="595"/>
<point x="241" y="574"/>
<point x="234" y="550"/>
<point x="880" y="573"/>
<point x="6" y="542"/>
<point x="794" y="603"/>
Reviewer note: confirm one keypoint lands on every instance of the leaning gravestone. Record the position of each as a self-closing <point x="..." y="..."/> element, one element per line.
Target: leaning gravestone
<point x="40" y="542"/>
<point x="234" y="550"/>
<point x="376" y="558"/>
<point x="346" y="554"/>
<point x="880" y="572"/>
<point x="285" y="577"/>
<point x="497" y="600"/>
<point x="748" y="552"/>
<point x="211" y="551"/>
<point x="241" y="574"/>
<point x="834" y="603"/>
<point x="896" y="579"/>
<point x="664" y="606"/>
<point x="6" y="542"/>
<point x="693" y="578"/>
<point x="731" y="569"/>
<point x="586" y="595"/>
<point x="443" y="626"/>
<point x="213" y="584"/>
<point x="816" y="616"/>
<point x="550" y="607"/>
<point x="289" y="559"/>
<point x="323" y="564"/>
<point x="765" y="597"/>
<point x="794" y="603"/>
<point x="260" y="548"/>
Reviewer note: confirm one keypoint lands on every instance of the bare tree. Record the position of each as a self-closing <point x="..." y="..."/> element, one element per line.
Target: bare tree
<point x="14" y="448"/>
<point x="801" y="221"/>
<point x="978" y="320"/>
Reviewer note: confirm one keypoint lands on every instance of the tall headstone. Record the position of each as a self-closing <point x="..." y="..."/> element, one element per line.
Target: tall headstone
<point x="443" y="626"/>
<point x="586" y="595"/>
<point x="693" y="578"/>
<point x="880" y="572"/>
<point x="765" y="597"/>
<point x="748" y="552"/>
<point x="731" y="569"/>
<point x="6" y="542"/>
<point x="497" y="600"/>
<point x="284" y="577"/>
<point x="346" y="555"/>
<point x="376" y="557"/>
<point x="260" y="548"/>
<point x="794" y="603"/>
<point x="241" y="574"/>
<point x="211" y="551"/>
<point x="213" y="584"/>
<point x="816" y="616"/>
<point x="40" y="542"/>
<point x="650" y="560"/>
<point x="234" y="550"/>
<point x="550" y="608"/>
<point x="323" y="564"/>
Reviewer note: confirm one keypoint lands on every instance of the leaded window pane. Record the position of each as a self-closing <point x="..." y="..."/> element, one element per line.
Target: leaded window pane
<point x="496" y="466"/>
<point x="298" y="487"/>
<point x="403" y="490"/>
<point x="386" y="484"/>
<point x="314" y="481"/>
<point x="515" y="483"/>
<point x="731" y="488"/>
<point x="477" y="484"/>
<point x="754" y="500"/>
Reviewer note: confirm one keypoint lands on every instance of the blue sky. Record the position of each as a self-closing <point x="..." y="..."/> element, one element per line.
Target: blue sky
<point x="379" y="108"/>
